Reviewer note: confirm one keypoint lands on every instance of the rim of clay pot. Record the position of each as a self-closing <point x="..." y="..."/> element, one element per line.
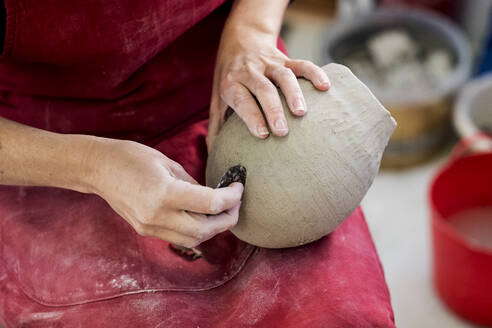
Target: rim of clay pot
<point x="430" y="26"/>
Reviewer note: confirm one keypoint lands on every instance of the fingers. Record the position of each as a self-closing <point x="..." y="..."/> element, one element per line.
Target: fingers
<point x="243" y="103"/>
<point x="238" y="89"/>
<point x="188" y="229"/>
<point x="287" y="82"/>
<point x="199" y="199"/>
<point x="207" y="226"/>
<point x="311" y="72"/>
<point x="223" y="221"/>
<point x="269" y="99"/>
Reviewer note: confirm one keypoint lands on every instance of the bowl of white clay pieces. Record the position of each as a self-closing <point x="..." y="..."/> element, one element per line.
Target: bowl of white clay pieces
<point x="414" y="62"/>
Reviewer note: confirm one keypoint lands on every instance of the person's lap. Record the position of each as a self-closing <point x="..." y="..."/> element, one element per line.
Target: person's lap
<point x="68" y="258"/>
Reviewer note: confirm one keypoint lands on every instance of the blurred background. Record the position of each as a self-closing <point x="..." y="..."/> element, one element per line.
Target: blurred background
<point x="428" y="62"/>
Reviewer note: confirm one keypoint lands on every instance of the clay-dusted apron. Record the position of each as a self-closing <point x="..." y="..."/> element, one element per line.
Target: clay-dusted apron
<point x="142" y="70"/>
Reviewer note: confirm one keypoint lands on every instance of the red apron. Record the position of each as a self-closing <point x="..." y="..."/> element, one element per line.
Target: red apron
<point x="142" y="70"/>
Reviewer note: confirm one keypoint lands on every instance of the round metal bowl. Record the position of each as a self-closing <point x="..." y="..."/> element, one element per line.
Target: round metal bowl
<point x="473" y="108"/>
<point x="424" y="117"/>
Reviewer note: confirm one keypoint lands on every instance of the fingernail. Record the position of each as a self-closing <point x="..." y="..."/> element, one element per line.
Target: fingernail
<point x="281" y="125"/>
<point x="262" y="131"/>
<point x="324" y="83"/>
<point x="299" y="106"/>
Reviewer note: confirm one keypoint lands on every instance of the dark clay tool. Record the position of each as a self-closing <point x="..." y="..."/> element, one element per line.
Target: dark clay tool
<point x="234" y="174"/>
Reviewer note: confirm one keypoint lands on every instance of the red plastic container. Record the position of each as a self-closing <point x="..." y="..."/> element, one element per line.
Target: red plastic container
<point x="462" y="271"/>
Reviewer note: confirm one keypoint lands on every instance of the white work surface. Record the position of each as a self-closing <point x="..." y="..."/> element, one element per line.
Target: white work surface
<point x="396" y="209"/>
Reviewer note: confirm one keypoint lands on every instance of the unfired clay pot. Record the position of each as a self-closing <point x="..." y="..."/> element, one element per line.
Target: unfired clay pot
<point x="299" y="188"/>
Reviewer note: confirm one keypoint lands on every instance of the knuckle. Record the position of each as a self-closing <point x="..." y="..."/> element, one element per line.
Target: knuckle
<point x="229" y="77"/>
<point x="306" y="63"/>
<point x="215" y="205"/>
<point x="295" y="62"/>
<point x="248" y="68"/>
<point x="224" y="227"/>
<point x="238" y="98"/>
<point x="275" y="110"/>
<point x="177" y="166"/>
<point x="168" y="202"/>
<point x="195" y="232"/>
<point x="234" y="221"/>
<point x="283" y="72"/>
<point x="146" y="220"/>
<point x="224" y="87"/>
<point x="304" y="66"/>
<point x="262" y="86"/>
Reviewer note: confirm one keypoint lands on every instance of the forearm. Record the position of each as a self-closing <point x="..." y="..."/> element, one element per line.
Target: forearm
<point x="261" y="15"/>
<point x="34" y="157"/>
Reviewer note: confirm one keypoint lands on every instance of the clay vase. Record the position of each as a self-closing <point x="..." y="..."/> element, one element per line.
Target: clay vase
<point x="300" y="187"/>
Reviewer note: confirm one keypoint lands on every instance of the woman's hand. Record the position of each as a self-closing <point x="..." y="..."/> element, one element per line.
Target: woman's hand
<point x="153" y="193"/>
<point x="157" y="197"/>
<point x="249" y="65"/>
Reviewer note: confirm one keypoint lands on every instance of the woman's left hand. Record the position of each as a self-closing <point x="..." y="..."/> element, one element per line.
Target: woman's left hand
<point x="249" y="65"/>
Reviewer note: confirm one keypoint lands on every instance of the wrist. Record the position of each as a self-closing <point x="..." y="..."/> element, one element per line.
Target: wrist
<point x="243" y="26"/>
<point x="34" y="157"/>
<point x="257" y="16"/>
<point x="243" y="31"/>
<point x="86" y="163"/>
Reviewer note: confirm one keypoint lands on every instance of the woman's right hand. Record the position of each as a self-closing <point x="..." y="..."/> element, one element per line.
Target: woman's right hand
<point x="157" y="197"/>
<point x="153" y="193"/>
